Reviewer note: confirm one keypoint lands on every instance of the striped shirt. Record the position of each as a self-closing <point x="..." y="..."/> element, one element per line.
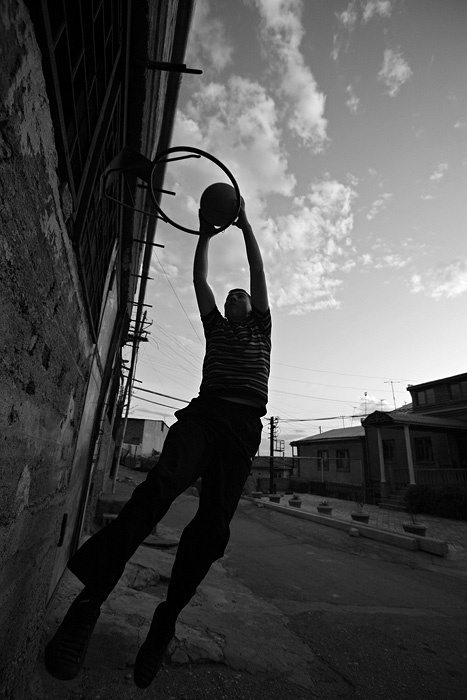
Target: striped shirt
<point x="237" y="357"/>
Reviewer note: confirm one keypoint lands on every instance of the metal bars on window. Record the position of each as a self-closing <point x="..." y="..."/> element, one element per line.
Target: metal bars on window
<point x="85" y="50"/>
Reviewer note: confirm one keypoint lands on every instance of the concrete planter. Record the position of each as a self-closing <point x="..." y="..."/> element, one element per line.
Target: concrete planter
<point x="256" y="494"/>
<point x="415" y="528"/>
<point x="274" y="498"/>
<point x="324" y="510"/>
<point x="295" y="503"/>
<point x="360" y="517"/>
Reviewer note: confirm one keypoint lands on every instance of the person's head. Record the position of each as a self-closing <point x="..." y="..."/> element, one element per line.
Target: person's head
<point x="237" y="305"/>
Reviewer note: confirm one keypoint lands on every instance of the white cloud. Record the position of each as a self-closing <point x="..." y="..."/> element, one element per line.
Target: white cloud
<point x="393" y="261"/>
<point x="353" y="102"/>
<point x="395" y="71"/>
<point x="282" y="32"/>
<point x="238" y="123"/>
<point x="461" y="124"/>
<point x="308" y="250"/>
<point x="348" y="18"/>
<point x="368" y="404"/>
<point x="378" y="205"/>
<point x="208" y="43"/>
<point x="383" y="8"/>
<point x="448" y="281"/>
<point x="439" y="173"/>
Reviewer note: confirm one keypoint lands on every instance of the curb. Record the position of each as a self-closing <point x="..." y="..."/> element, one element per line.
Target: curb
<point x="411" y="542"/>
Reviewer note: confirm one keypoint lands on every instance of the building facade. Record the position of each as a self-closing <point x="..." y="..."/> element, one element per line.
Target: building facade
<point x="425" y="442"/>
<point x="75" y="90"/>
<point x="143" y="439"/>
<point x="335" y="458"/>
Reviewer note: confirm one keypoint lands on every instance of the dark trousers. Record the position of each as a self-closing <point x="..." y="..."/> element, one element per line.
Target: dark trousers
<point x="213" y="439"/>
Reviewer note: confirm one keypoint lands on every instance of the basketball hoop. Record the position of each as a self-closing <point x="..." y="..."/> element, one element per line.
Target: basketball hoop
<point x="131" y="163"/>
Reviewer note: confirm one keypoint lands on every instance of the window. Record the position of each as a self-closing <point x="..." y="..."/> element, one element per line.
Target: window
<point x="323" y="460"/>
<point x="425" y="397"/>
<point x="458" y="391"/>
<point x="389" y="450"/>
<point x="343" y="461"/>
<point x="423" y="449"/>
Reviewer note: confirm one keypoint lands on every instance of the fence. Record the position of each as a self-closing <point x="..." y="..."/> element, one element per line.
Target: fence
<point x="442" y="476"/>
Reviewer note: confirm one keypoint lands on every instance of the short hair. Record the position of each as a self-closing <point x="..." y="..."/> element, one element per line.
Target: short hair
<point x="238" y="289"/>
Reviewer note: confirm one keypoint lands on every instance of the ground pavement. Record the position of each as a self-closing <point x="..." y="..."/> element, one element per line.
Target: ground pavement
<point x="212" y="629"/>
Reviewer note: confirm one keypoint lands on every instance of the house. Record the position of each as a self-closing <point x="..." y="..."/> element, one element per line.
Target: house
<point x="144" y="438"/>
<point x="80" y="82"/>
<point x="261" y="473"/>
<point x="334" y="457"/>
<point x="424" y="442"/>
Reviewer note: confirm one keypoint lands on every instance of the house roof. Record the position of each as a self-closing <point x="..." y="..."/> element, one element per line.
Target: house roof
<point x="337" y="434"/>
<point x="408" y="418"/>
<point x="279" y="463"/>
<point x="445" y="380"/>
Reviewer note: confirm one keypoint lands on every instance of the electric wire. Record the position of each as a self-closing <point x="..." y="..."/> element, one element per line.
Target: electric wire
<point x="177" y="297"/>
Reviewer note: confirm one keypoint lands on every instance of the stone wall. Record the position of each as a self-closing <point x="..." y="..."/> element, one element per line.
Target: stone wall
<point x="45" y="350"/>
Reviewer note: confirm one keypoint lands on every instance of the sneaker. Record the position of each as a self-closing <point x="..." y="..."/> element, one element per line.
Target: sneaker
<point x="151" y="654"/>
<point x="64" y="654"/>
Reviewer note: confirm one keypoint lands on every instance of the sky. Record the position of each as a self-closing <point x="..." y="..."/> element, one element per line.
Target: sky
<point x="345" y="126"/>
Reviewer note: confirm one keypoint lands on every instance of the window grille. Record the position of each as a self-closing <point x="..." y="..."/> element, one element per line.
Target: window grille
<point x="83" y="45"/>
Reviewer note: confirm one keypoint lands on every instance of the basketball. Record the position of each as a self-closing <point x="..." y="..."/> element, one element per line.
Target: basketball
<point x="219" y="204"/>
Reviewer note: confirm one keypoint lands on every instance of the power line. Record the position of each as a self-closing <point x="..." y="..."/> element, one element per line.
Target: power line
<point x="324" y="371"/>
<point x="183" y="308"/>
<point x="156" y="403"/>
<point x="313" y="420"/>
<point x="166" y="396"/>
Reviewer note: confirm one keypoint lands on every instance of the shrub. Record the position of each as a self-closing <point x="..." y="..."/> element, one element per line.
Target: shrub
<point x="443" y="501"/>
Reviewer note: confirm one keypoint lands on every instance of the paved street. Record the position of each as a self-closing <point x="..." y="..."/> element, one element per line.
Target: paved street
<point x="294" y="610"/>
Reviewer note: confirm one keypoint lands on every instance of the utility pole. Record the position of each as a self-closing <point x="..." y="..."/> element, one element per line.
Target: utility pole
<point x="273" y="421"/>
<point x="392" y="387"/>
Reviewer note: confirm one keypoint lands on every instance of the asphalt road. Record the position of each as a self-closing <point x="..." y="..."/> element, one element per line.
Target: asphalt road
<point x="376" y="627"/>
<point x="304" y="612"/>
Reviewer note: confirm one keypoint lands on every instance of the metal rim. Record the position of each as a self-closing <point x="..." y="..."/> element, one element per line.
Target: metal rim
<point x="198" y="152"/>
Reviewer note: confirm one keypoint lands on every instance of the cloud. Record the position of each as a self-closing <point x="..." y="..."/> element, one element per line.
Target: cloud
<point x="348" y="18"/>
<point x="368" y="404"/>
<point x="308" y="249"/>
<point x="383" y="8"/>
<point x="355" y="14"/>
<point x="395" y="71"/>
<point x="208" y="44"/>
<point x="390" y="260"/>
<point x="238" y="122"/>
<point x="378" y="205"/>
<point x="439" y="173"/>
<point x="461" y="124"/>
<point x="393" y="260"/>
<point x="448" y="281"/>
<point x="353" y="102"/>
<point x="281" y="34"/>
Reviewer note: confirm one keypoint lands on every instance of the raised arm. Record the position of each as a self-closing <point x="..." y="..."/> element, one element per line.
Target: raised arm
<point x="204" y="293"/>
<point x="258" y="286"/>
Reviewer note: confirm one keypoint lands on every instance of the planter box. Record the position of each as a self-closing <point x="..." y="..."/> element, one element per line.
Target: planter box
<point x="324" y="510"/>
<point x="256" y="494"/>
<point x="274" y="499"/>
<point x="360" y="517"/>
<point x="415" y="528"/>
<point x="295" y="503"/>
